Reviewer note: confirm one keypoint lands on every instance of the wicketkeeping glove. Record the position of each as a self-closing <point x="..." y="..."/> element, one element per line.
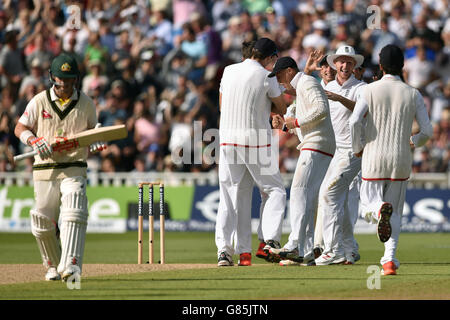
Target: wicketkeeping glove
<point x="42" y="146"/>
<point x="98" y="146"/>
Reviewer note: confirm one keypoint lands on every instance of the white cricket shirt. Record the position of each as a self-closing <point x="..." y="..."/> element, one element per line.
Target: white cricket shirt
<point x="312" y="112"/>
<point x="350" y="89"/>
<point x="246" y="90"/>
<point x="391" y="106"/>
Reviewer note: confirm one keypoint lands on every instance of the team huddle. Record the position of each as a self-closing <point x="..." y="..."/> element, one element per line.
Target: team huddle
<point x="355" y="157"/>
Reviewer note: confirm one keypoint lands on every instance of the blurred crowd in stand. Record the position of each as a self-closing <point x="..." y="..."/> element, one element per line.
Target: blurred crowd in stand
<point x="156" y="65"/>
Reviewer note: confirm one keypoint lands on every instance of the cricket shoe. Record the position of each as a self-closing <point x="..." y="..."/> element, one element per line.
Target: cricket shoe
<point x="330" y="258"/>
<point x="309" y="260"/>
<point x="275" y="252"/>
<point x="268" y="257"/>
<point x="355" y="257"/>
<point x="245" y="259"/>
<point x="271" y="245"/>
<point x="352" y="259"/>
<point x="317" y="252"/>
<point x="71" y="270"/>
<point x="260" y="252"/>
<point x="349" y="260"/>
<point x="273" y="258"/>
<point x="224" y="260"/>
<point x="389" y="269"/>
<point x="293" y="255"/>
<point x="52" y="274"/>
<point x="384" y="229"/>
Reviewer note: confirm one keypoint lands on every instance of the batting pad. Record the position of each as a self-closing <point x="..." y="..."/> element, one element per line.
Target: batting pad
<point x="44" y="231"/>
<point x="74" y="217"/>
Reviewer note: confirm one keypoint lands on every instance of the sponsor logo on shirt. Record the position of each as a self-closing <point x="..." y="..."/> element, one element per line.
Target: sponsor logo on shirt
<point x="46" y="115"/>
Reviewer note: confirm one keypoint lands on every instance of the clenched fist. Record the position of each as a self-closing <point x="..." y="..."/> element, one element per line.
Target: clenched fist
<point x="277" y="121"/>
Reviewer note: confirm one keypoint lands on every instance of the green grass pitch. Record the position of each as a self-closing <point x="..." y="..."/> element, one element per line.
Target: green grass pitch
<point x="424" y="272"/>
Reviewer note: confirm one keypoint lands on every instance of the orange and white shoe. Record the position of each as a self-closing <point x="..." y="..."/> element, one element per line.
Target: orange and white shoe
<point x="260" y="252"/>
<point x="384" y="228"/>
<point x="389" y="269"/>
<point x="245" y="259"/>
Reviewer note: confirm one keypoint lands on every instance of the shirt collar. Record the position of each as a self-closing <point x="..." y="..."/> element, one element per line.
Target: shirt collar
<point x="54" y="97"/>
<point x="296" y="78"/>
<point x="254" y="62"/>
<point x="391" y="76"/>
<point x="348" y="82"/>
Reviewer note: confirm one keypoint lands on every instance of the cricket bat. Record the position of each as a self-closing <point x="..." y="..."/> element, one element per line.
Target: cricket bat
<point x="84" y="139"/>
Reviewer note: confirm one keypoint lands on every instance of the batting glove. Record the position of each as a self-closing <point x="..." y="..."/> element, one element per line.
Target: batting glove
<point x="97" y="146"/>
<point x="43" y="148"/>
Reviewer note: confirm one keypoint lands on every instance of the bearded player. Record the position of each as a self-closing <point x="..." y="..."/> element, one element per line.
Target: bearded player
<point x="59" y="173"/>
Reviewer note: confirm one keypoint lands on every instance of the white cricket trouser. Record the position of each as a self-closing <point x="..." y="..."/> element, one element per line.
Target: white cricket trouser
<point x="243" y="236"/>
<point x="237" y="173"/>
<point x="373" y="195"/>
<point x="261" y="210"/>
<point x="308" y="176"/>
<point x="66" y="198"/>
<point x="352" y="207"/>
<point x="318" y="228"/>
<point x="334" y="201"/>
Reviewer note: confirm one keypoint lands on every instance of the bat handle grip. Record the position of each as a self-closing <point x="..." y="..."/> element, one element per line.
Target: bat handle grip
<point x="25" y="155"/>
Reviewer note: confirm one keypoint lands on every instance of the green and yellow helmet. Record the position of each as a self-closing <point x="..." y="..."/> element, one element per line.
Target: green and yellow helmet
<point x="64" y="66"/>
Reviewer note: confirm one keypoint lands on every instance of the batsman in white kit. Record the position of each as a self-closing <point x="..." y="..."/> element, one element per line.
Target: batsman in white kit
<point x="389" y="106"/>
<point x="246" y="94"/>
<point x="59" y="173"/>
